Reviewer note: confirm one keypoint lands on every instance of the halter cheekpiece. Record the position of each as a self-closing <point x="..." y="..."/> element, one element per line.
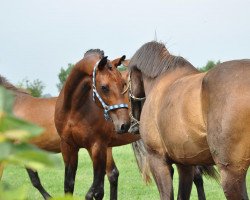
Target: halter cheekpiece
<point x="104" y="105"/>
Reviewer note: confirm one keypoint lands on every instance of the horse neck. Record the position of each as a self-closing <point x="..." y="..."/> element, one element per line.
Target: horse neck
<point x="170" y="76"/>
<point x="81" y="70"/>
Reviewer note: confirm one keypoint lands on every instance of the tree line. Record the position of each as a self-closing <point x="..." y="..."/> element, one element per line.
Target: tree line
<point x="36" y="87"/>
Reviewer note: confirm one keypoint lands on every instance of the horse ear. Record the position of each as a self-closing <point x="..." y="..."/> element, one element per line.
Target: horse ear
<point x="117" y="62"/>
<point x="102" y="63"/>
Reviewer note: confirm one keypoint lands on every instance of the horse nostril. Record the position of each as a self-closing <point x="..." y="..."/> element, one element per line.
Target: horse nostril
<point x="124" y="128"/>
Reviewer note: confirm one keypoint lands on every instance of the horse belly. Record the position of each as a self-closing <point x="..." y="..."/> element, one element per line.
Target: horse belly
<point x="41" y="113"/>
<point x="181" y="124"/>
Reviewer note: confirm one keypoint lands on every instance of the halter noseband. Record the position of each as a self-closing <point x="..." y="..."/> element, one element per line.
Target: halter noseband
<point x="104" y="105"/>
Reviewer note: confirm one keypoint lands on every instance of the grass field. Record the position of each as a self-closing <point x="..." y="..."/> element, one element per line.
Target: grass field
<point x="131" y="186"/>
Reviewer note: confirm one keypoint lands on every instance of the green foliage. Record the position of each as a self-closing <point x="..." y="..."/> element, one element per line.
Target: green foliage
<point x="210" y="64"/>
<point x="8" y="193"/>
<point x="14" y="146"/>
<point x="35" y="88"/>
<point x="14" y="136"/>
<point x="63" y="75"/>
<point x="122" y="68"/>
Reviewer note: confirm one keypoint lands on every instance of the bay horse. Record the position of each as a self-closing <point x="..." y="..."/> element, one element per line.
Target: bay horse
<point x="192" y="118"/>
<point x="93" y="93"/>
<point x="41" y="112"/>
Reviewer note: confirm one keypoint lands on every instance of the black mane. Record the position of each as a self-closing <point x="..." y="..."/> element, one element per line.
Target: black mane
<point x="153" y="59"/>
<point x="7" y="85"/>
<point x="95" y="51"/>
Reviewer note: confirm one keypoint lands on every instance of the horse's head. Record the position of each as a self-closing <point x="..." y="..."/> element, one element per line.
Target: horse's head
<point x="136" y="96"/>
<point x="108" y="87"/>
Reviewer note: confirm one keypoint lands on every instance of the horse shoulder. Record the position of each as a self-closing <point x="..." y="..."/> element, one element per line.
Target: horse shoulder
<point x="180" y="120"/>
<point x="148" y="125"/>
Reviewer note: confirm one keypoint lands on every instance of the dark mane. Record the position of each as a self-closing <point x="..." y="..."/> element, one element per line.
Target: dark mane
<point x="98" y="52"/>
<point x="153" y="59"/>
<point x="7" y="85"/>
<point x="95" y="51"/>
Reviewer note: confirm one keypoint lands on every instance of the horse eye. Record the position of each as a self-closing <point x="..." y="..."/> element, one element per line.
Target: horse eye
<point x="105" y="88"/>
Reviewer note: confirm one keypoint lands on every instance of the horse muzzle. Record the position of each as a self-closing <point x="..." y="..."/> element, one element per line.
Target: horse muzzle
<point x="121" y="127"/>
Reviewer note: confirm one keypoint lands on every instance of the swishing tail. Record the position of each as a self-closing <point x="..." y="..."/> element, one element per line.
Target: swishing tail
<point x="142" y="161"/>
<point x="208" y="171"/>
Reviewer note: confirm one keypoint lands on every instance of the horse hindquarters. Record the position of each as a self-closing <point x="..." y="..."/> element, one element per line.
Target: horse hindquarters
<point x="232" y="163"/>
<point x="226" y="107"/>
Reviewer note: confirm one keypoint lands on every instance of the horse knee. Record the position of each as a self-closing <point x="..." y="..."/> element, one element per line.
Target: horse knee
<point x="113" y="176"/>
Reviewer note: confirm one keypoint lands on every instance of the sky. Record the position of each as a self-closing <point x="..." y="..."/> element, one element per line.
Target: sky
<point x="38" y="37"/>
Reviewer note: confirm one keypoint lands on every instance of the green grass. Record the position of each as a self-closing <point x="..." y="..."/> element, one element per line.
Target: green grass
<point x="131" y="186"/>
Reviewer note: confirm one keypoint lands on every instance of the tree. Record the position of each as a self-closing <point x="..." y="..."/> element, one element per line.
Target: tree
<point x="122" y="68"/>
<point x="63" y="75"/>
<point x="210" y="64"/>
<point x="35" y="88"/>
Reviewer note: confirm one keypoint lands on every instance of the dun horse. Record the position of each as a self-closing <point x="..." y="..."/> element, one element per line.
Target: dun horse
<point x="191" y="118"/>
<point x="139" y="150"/>
<point x="41" y="112"/>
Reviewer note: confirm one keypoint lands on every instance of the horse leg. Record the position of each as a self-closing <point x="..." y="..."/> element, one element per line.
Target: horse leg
<point x="198" y="181"/>
<point x="185" y="181"/>
<point x="98" y="154"/>
<point x="162" y="173"/>
<point x="113" y="174"/>
<point x="35" y="180"/>
<point x="1" y="171"/>
<point x="233" y="182"/>
<point x="70" y="157"/>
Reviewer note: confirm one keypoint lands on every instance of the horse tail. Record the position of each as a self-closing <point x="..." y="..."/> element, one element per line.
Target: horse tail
<point x="208" y="171"/>
<point x="142" y="161"/>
